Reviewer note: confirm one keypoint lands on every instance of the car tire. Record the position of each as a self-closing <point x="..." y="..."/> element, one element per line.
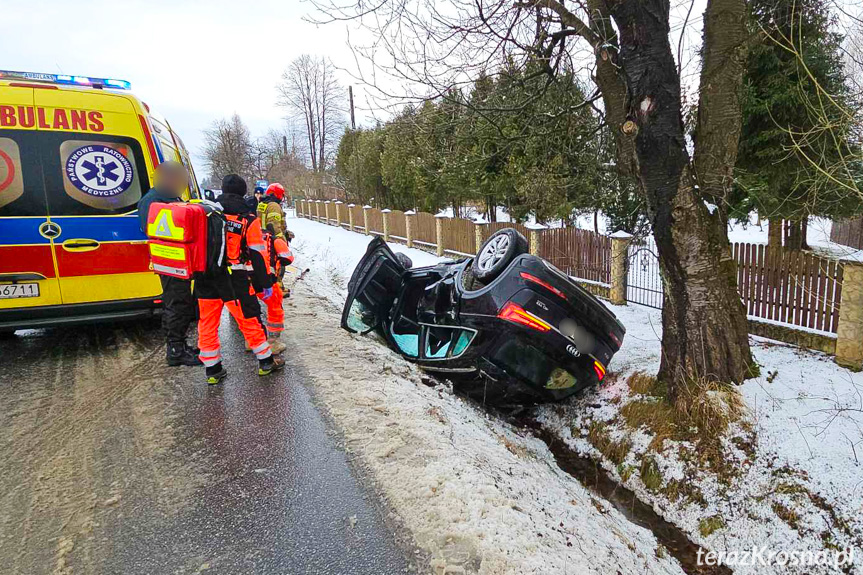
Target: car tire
<point x="405" y="260"/>
<point x="496" y="253"/>
<point x="7" y="334"/>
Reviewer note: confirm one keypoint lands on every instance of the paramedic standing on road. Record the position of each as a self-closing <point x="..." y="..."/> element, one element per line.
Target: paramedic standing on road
<point x="270" y="210"/>
<point x="279" y="257"/>
<point x="177" y="298"/>
<point x="232" y="288"/>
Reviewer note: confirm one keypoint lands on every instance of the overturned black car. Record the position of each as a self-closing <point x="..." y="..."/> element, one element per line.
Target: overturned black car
<point x="506" y="326"/>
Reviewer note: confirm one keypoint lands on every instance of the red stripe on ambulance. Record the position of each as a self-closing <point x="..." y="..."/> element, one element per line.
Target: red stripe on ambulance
<point x="21" y="259"/>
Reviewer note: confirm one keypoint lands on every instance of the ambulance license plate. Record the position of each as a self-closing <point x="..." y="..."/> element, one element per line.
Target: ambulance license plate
<point x="10" y="291"/>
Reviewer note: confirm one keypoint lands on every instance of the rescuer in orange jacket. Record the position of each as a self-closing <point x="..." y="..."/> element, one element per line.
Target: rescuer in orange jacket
<point x="278" y="257"/>
<point x="245" y="253"/>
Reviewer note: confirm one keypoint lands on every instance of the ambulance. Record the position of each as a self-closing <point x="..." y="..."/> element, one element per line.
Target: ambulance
<point x="77" y="153"/>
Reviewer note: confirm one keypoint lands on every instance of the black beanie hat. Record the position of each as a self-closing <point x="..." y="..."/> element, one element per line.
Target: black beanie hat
<point x="234" y="184"/>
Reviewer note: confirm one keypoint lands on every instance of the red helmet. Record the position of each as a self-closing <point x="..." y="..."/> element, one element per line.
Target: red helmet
<point x="277" y="190"/>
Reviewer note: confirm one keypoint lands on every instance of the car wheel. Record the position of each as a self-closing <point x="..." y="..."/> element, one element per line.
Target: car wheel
<point x="405" y="260"/>
<point x="497" y="252"/>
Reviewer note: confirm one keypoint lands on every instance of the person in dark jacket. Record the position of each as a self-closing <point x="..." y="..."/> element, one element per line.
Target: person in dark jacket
<point x="247" y="265"/>
<point x="178" y="301"/>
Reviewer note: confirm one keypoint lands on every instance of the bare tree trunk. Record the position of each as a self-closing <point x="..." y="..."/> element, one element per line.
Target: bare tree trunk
<point x="775" y="232"/>
<point x="705" y="331"/>
<point x="804" y="229"/>
<point x="596" y="222"/>
<point x="796" y="239"/>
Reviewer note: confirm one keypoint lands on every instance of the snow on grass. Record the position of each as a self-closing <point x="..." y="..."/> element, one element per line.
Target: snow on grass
<point x="797" y="482"/>
<point x="478" y="495"/>
<point x="798" y="487"/>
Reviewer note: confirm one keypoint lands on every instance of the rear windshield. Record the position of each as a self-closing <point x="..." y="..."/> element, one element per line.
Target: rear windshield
<point x="69" y="174"/>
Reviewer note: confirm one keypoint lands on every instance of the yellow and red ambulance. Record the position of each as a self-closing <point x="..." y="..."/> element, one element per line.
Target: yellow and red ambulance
<point x="76" y="155"/>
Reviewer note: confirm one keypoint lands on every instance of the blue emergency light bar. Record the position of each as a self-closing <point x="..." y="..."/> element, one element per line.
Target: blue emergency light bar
<point x="66" y="79"/>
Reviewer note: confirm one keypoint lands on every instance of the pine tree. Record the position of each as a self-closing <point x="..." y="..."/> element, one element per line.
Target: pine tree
<point x="779" y="94"/>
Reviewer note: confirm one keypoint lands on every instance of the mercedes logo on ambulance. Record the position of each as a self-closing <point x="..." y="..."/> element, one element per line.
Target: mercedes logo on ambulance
<point x="49" y="230"/>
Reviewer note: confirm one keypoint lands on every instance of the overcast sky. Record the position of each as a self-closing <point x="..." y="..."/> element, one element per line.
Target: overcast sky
<point x="194" y="61"/>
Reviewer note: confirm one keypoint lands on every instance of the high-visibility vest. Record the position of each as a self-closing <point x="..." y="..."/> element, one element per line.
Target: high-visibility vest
<point x="243" y="233"/>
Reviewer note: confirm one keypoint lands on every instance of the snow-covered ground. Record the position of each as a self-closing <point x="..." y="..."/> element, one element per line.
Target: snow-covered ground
<point x="478" y="495"/>
<point x="806" y="456"/>
<point x="807" y="416"/>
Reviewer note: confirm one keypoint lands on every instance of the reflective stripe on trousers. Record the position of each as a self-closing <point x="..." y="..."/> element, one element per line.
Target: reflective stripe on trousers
<point x="208" y="328"/>
<point x="210" y="357"/>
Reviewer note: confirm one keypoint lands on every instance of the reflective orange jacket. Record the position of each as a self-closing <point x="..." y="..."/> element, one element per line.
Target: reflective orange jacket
<point x="246" y="249"/>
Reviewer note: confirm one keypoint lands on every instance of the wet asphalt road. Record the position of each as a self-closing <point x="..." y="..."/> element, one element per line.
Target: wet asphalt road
<point x="114" y="463"/>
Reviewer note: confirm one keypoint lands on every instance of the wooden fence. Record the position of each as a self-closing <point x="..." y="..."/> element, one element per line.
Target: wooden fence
<point x="459" y="236"/>
<point x="376" y="221"/>
<point x="425" y="229"/>
<point x="794" y="288"/>
<point x="789" y="286"/>
<point x="848" y="233"/>
<point x="398" y="227"/>
<point x="579" y="253"/>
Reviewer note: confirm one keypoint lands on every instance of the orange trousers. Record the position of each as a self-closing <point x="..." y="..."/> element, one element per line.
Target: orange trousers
<point x="208" y="330"/>
<point x="275" y="311"/>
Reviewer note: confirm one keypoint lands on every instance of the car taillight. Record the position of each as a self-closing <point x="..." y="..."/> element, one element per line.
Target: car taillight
<point x="544" y="284"/>
<point x="599" y="369"/>
<point x="614" y="338"/>
<point x="516" y="314"/>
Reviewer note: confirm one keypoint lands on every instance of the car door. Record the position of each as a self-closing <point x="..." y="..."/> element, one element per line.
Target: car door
<point x="373" y="287"/>
<point x="28" y="274"/>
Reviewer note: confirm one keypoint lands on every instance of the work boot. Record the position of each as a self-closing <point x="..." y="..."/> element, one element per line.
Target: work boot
<point x="193" y="350"/>
<point x="276" y="344"/>
<point x="178" y="354"/>
<point x="216" y="373"/>
<point x="270" y="364"/>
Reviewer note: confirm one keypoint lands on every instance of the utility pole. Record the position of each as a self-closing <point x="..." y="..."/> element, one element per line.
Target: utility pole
<point x="351" y="97"/>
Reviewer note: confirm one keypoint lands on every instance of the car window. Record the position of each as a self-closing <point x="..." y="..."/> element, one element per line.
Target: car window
<point x="441" y="339"/>
<point x="360" y="318"/>
<point x="406" y="334"/>
<point x="93" y="176"/>
<point x="21" y="189"/>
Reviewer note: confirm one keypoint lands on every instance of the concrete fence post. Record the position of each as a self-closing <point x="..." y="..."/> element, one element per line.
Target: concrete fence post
<point x="410" y="216"/>
<point x="327" y="212"/>
<point x="386" y="215"/>
<point x="438" y="230"/>
<point x="318" y="210"/>
<point x="366" y="218"/>
<point x="351" y="216"/>
<point x="338" y="213"/>
<point x="619" y="257"/>
<point x="849" y="333"/>
<point x="535" y="237"/>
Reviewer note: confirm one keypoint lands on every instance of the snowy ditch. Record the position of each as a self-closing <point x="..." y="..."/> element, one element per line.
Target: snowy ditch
<point x="482" y="494"/>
